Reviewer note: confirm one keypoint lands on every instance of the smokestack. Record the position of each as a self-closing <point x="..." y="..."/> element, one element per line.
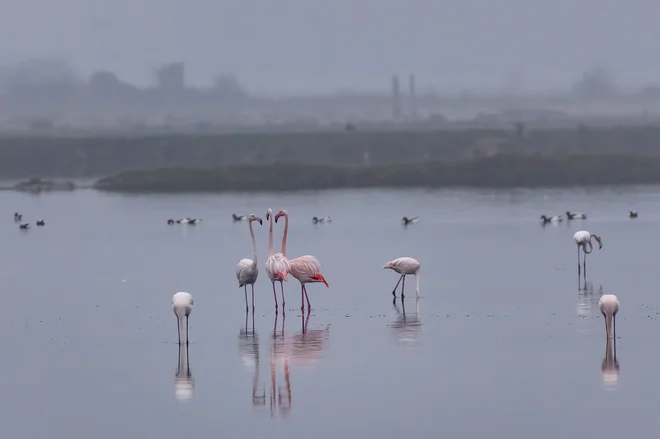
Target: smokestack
<point x="412" y="97"/>
<point x="396" y="98"/>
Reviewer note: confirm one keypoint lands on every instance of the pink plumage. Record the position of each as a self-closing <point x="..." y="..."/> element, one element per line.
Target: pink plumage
<point x="307" y="269"/>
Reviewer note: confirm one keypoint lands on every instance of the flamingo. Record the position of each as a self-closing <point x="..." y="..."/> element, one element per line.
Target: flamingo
<point x="583" y="239"/>
<point x="609" y="306"/>
<point x="405" y="266"/>
<point x="182" y="304"/>
<point x="632" y="214"/>
<point x="246" y="270"/>
<point x="575" y="215"/>
<point x="237" y="217"/>
<point x="307" y="269"/>
<point x="277" y="266"/>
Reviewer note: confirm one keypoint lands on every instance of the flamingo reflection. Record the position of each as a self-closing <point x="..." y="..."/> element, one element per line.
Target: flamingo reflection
<point x="184" y="383"/>
<point x="407" y="325"/>
<point x="304" y="348"/>
<point x="586" y="299"/>
<point x="248" y="342"/>
<point x="610" y="366"/>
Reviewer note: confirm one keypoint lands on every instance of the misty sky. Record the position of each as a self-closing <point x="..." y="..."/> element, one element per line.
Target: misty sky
<point x="324" y="45"/>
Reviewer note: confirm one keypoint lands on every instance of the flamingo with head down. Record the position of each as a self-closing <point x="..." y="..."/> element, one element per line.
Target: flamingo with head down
<point x="307" y="269"/>
<point x="277" y="266"/>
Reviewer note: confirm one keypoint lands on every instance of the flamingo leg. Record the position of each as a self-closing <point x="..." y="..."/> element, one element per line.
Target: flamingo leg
<point x="614" y="326"/>
<point x="302" y="296"/>
<point x="253" y="298"/>
<point x="309" y="307"/>
<point x="282" y="287"/>
<point x="403" y="285"/>
<point x="187" y="329"/>
<point x="178" y="328"/>
<point x="246" y="302"/>
<point x="578" y="247"/>
<point x="397" y="286"/>
<point x="275" y="297"/>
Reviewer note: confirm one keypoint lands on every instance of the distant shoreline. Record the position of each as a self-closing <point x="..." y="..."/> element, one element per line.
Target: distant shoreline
<point x="505" y="171"/>
<point x="92" y="157"/>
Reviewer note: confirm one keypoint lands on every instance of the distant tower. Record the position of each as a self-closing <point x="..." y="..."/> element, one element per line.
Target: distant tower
<point x="412" y="97"/>
<point x="396" y="98"/>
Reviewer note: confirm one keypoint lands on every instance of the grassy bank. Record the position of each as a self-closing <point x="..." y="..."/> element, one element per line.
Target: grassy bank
<point x="502" y="171"/>
<point x="80" y="157"/>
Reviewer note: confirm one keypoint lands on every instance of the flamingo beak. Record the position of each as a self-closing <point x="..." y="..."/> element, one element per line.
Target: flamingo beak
<point x="261" y="222"/>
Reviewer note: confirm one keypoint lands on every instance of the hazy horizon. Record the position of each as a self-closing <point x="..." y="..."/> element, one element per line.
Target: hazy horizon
<point x="294" y="47"/>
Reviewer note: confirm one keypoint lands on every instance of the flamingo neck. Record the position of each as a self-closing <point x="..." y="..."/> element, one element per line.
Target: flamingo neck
<point x="254" y="245"/>
<point x="270" y="237"/>
<point x="183" y="327"/>
<point x="286" y="232"/>
<point x="608" y="325"/>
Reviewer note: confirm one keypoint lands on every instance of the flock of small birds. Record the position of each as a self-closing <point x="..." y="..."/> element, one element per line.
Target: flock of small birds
<point x="18" y="218"/>
<point x="571" y="216"/>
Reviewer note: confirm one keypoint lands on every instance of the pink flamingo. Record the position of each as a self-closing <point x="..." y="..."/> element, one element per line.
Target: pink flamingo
<point x="405" y="266"/>
<point x="277" y="266"/>
<point x="307" y="269"/>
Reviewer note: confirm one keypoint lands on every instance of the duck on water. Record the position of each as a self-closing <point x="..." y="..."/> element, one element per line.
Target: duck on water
<point x="552" y="219"/>
<point x="575" y="215"/>
<point x="407" y="220"/>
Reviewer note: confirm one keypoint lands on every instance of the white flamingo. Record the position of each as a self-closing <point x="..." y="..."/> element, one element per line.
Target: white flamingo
<point x="405" y="266"/>
<point x="246" y="270"/>
<point x="609" y="306"/>
<point x="583" y="240"/>
<point x="277" y="265"/>
<point x="182" y="304"/>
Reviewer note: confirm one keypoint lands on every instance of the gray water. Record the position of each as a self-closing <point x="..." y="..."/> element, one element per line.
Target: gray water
<point x="503" y="341"/>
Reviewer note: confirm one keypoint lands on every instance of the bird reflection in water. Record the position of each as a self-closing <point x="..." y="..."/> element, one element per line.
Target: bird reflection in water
<point x="299" y="349"/>
<point x="184" y="383"/>
<point x="610" y="366"/>
<point x="586" y="298"/>
<point x="248" y="345"/>
<point x="407" y="325"/>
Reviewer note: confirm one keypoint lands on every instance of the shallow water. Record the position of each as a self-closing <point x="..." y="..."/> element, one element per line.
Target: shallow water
<point x="503" y="340"/>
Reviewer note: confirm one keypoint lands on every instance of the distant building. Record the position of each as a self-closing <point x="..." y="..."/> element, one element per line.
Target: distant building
<point x="171" y="76"/>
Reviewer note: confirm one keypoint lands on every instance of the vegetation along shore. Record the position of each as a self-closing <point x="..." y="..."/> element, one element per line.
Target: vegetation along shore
<point x="498" y="171"/>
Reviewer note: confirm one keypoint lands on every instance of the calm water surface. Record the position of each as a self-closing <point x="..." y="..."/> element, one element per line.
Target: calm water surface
<point x="503" y="341"/>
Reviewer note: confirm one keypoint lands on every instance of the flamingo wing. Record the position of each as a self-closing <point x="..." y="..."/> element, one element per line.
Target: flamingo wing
<point x="246" y="272"/>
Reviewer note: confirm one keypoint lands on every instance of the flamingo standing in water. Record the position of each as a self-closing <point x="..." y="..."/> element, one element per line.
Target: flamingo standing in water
<point x="277" y="266"/>
<point x="182" y="304"/>
<point x="583" y="239"/>
<point x="247" y="270"/>
<point x="404" y="266"/>
<point x="609" y="306"/>
<point x="307" y="269"/>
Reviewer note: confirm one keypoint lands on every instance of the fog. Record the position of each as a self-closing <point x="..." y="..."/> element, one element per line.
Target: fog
<point x="298" y="47"/>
